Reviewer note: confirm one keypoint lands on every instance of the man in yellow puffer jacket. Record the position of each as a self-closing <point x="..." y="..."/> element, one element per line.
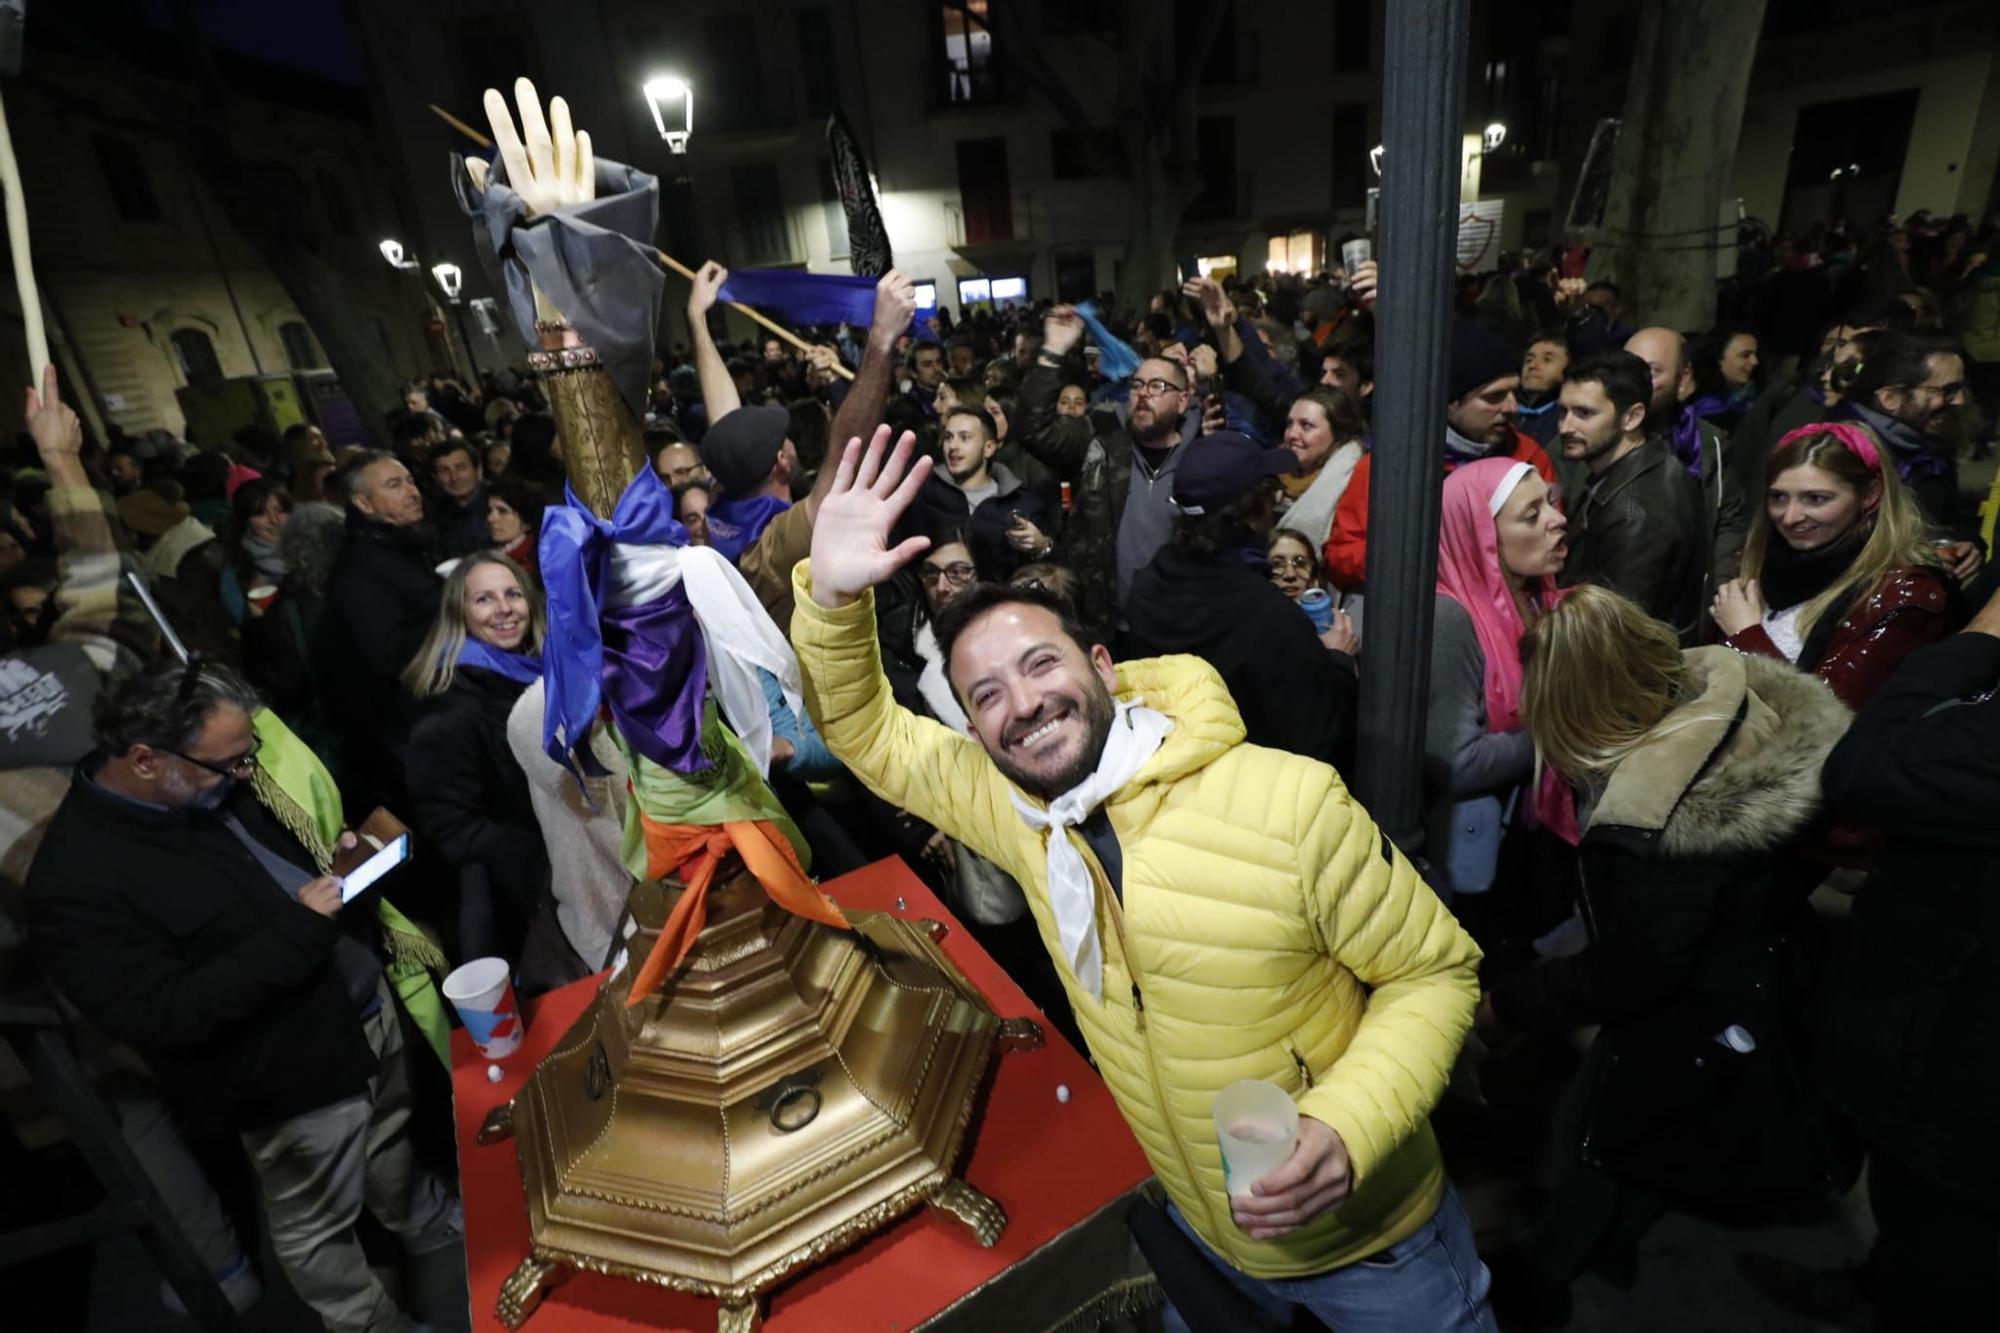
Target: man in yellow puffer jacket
<point x="1217" y="911"/>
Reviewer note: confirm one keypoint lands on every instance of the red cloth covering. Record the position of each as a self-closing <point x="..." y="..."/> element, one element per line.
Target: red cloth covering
<point x="1049" y="1164"/>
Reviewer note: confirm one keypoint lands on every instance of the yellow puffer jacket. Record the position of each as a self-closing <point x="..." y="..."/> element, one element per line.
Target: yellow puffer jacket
<point x="1274" y="933"/>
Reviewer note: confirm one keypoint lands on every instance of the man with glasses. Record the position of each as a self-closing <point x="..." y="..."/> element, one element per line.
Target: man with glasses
<point x="1909" y="389"/>
<point x="181" y="917"/>
<point x="1123" y="482"/>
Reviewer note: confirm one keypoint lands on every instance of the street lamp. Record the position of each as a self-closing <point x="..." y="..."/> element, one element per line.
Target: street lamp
<point x="393" y="252"/>
<point x="1375" y="159"/>
<point x="449" y="279"/>
<point x="672" y="103"/>
<point x="1493" y="136"/>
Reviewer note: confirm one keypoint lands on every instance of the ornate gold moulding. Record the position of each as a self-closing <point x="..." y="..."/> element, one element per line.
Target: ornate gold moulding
<point x="789" y="1090"/>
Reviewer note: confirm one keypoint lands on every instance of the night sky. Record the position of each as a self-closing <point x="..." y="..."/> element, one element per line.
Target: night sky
<point x="301" y="34"/>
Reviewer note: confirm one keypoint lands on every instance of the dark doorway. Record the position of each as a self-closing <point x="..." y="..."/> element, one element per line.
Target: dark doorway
<point x="1847" y="159"/>
<point x="984" y="191"/>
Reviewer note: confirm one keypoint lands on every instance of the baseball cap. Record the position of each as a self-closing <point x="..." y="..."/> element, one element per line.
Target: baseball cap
<point x="1222" y="467"/>
<point x="741" y="448"/>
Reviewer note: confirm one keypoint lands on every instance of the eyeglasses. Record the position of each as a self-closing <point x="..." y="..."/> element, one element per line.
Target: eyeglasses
<point x="1285" y="564"/>
<point x="228" y="768"/>
<point x="1155" y="388"/>
<point x="956" y="573"/>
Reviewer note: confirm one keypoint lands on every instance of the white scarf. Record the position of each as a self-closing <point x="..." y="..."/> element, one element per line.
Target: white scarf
<point x="739" y="633"/>
<point x="932" y="685"/>
<point x="1312" y="513"/>
<point x="1135" y="736"/>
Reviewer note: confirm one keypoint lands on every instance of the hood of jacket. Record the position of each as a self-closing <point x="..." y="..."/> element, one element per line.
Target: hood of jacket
<point x="1188" y="690"/>
<point x="1735" y="769"/>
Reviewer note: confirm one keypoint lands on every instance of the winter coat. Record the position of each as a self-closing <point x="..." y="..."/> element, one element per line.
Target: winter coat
<point x="1911" y="609"/>
<point x="381" y="600"/>
<point x="460" y="525"/>
<point x="941" y="506"/>
<point x="1912" y="1000"/>
<point x="163" y="929"/>
<point x="1292" y="691"/>
<point x="468" y="793"/>
<point x="1273" y="932"/>
<point x="1099" y="469"/>
<point x="1642" y="531"/>
<point x="1973" y="313"/>
<point x="1689" y="938"/>
<point x="1347" y="548"/>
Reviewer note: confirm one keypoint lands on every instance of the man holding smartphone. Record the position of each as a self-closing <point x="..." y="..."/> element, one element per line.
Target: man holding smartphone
<point x="181" y="917"/>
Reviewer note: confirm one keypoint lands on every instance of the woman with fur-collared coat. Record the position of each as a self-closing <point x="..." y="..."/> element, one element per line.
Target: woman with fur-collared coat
<point x="1695" y="771"/>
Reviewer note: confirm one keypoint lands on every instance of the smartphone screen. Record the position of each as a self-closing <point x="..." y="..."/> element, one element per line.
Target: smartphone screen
<point x="374" y="868"/>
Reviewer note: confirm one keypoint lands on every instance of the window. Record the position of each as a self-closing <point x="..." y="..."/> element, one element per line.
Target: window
<point x="1350" y="155"/>
<point x="1225" y="63"/>
<point x="974" y="292"/>
<point x="926" y="295"/>
<point x="339" y="217"/>
<point x="1215" y="150"/>
<point x="966" y="63"/>
<point x="818" y="64"/>
<point x="125" y="172"/>
<point x="764" y="236"/>
<point x="1009" y="291"/>
<point x="984" y="191"/>
<point x="197" y="356"/>
<point x="734" y="97"/>
<point x="1070" y="153"/>
<point x="838" y="246"/>
<point x="1353" y="35"/>
<point x="300" y="353"/>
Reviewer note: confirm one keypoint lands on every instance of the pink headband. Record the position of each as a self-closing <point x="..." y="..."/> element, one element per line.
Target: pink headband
<point x="1857" y="440"/>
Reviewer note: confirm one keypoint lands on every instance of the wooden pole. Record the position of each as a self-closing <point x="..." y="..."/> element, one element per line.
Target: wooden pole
<point x="17" y="244"/>
<point x="753" y="316"/>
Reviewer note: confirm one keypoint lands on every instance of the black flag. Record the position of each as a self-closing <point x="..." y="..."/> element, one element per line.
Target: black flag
<point x="867" y="239"/>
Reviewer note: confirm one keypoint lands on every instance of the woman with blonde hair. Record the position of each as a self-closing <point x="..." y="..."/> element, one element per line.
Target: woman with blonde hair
<point x="1695" y="770"/>
<point x="1842" y="578"/>
<point x="468" y="792"/>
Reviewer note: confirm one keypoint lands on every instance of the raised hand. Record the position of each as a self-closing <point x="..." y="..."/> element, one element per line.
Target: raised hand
<point x="554" y="166"/>
<point x="895" y="303"/>
<point x="850" y="543"/>
<point x="1215" y="304"/>
<point x="1361" y="285"/>
<point x="1062" y="328"/>
<point x="708" y="280"/>
<point x="52" y="422"/>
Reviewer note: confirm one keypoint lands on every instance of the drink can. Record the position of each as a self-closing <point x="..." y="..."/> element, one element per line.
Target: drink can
<point x="1317" y="603"/>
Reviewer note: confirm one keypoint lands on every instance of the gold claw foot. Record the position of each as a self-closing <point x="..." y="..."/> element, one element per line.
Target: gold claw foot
<point x="524" y="1288"/>
<point x="979" y="1214"/>
<point x="1019" y="1034"/>
<point x="744" y="1318"/>
<point x="498" y="1125"/>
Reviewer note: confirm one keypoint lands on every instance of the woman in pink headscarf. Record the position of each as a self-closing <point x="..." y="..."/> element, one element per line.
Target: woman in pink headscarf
<point x="1500" y="544"/>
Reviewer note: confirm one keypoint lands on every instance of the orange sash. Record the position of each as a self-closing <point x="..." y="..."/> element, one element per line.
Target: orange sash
<point x="696" y="851"/>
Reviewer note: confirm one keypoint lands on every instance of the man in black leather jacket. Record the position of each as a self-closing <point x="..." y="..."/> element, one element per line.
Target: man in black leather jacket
<point x="1640" y="528"/>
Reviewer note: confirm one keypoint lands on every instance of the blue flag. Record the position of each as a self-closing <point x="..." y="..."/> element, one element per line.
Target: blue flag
<point x="809" y="298"/>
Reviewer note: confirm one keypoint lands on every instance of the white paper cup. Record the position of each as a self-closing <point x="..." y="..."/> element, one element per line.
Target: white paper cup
<point x="1356" y="253"/>
<point x="1257" y="1125"/>
<point x="483" y="994"/>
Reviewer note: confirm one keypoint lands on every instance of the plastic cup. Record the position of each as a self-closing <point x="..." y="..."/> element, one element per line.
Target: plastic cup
<point x="483" y="994"/>
<point x="1317" y="603"/>
<point x="1257" y="1125"/>
<point x="263" y="595"/>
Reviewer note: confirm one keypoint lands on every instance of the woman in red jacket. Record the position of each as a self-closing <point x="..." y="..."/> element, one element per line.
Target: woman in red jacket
<point x="1841" y="579"/>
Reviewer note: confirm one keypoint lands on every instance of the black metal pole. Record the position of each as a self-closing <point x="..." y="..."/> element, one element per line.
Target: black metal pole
<point x="1423" y="95"/>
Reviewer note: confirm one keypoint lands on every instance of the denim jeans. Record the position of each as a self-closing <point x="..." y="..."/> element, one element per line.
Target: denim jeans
<point x="1431" y="1281"/>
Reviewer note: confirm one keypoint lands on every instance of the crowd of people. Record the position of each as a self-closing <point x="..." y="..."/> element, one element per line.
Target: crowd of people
<point x="1710" y="730"/>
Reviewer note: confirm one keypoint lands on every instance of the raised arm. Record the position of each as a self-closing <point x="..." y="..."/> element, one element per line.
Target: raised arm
<point x="860" y="412"/>
<point x="1058" y="442"/>
<point x="718" y="391"/>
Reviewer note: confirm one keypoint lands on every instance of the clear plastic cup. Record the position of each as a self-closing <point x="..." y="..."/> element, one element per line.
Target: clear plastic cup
<point x="482" y="991"/>
<point x="1257" y="1125"/>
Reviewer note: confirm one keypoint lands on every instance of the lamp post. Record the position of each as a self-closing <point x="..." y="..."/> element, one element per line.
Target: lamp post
<point x="1493" y="136"/>
<point x="393" y="252"/>
<point x="671" y="100"/>
<point x="451" y="280"/>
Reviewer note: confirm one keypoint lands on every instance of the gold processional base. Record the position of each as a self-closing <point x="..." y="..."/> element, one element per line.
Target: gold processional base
<point x="790" y="1089"/>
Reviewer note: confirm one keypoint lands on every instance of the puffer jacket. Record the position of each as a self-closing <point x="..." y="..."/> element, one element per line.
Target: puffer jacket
<point x="1274" y="932"/>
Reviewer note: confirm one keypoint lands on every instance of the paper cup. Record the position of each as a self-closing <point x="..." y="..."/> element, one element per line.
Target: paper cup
<point x="263" y="595"/>
<point x="483" y="994"/>
<point x="1258" y="1126"/>
<point x="1356" y="253"/>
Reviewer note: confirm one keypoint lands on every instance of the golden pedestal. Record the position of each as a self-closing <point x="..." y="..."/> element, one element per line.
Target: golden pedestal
<point x="790" y="1089"/>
